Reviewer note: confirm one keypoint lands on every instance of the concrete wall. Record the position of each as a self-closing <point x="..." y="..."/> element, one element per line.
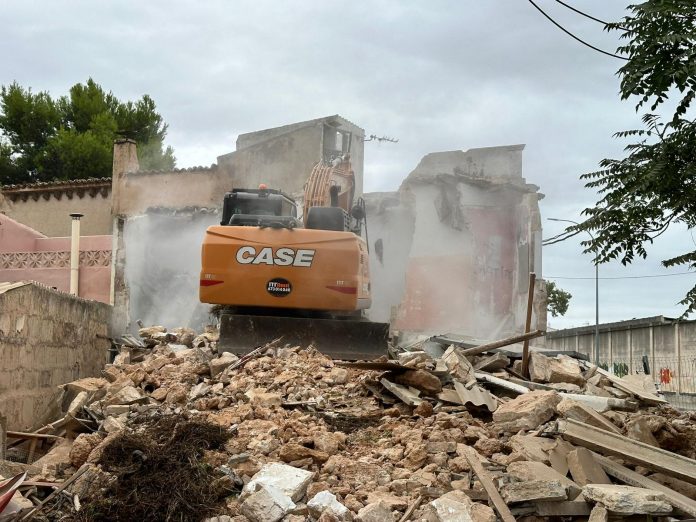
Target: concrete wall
<point x="26" y="255"/>
<point x="47" y="338"/>
<point x="453" y="248"/>
<point x="283" y="157"/>
<point x="669" y="345"/>
<point x="46" y="207"/>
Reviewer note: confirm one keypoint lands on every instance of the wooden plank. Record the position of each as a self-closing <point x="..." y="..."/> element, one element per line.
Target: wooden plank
<point x="411" y="508"/>
<point x="630" y="477"/>
<point x="23" y="435"/>
<point x="487" y="483"/>
<point x="528" y="324"/>
<point x="65" y="484"/>
<point x="476" y="350"/>
<point x="609" y="443"/>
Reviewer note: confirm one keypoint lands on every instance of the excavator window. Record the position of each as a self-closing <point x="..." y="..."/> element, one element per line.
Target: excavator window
<point x="256" y="202"/>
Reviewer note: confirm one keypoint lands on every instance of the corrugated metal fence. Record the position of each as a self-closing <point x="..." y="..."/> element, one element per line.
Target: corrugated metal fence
<point x="665" y="348"/>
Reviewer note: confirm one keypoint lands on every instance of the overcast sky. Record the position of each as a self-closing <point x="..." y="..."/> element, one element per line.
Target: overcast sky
<point x="438" y="75"/>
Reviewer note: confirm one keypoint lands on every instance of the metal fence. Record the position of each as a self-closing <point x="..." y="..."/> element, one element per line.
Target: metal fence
<point x="674" y="376"/>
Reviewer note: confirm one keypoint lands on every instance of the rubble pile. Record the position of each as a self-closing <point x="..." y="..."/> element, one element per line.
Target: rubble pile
<point x="174" y="431"/>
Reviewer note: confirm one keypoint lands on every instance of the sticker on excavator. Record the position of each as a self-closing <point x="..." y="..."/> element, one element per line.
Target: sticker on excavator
<point x="279" y="287"/>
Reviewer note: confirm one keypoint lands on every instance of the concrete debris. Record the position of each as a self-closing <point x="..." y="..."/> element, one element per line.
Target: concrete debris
<point x="561" y="369"/>
<point x="456" y="506"/>
<point x="527" y="411"/>
<point x="627" y="500"/>
<point x="266" y="504"/>
<point x="534" y="490"/>
<point x="432" y="435"/>
<point x="290" y="481"/>
<point x="571" y="409"/>
<point x="525" y="471"/>
<point x="375" y="512"/>
<point x="326" y="502"/>
<point x="585" y="469"/>
<point x="599" y="514"/>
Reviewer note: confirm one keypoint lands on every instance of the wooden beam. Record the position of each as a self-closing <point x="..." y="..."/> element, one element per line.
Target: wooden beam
<point x="528" y="324"/>
<point x="476" y="350"/>
<point x="487" y="483"/>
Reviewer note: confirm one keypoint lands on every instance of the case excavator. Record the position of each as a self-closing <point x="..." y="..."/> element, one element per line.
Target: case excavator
<point x="306" y="279"/>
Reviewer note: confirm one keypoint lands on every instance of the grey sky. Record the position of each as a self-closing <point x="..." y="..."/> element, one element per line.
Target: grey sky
<point x="439" y="75"/>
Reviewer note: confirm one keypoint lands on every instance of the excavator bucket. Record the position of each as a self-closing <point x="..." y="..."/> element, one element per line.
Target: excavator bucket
<point x="345" y="339"/>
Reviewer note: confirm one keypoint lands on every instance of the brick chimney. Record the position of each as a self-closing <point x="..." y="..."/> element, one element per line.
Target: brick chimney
<point x="125" y="161"/>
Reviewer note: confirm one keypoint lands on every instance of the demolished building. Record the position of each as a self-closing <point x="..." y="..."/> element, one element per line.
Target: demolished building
<point x="463" y="228"/>
<point x="452" y="249"/>
<point x="286" y="433"/>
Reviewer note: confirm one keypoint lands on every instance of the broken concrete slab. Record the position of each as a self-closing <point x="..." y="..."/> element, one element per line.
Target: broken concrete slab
<point x="571" y="409"/>
<point x="419" y="379"/>
<point x="525" y="470"/>
<point x="559" y="369"/>
<point x="266" y="504"/>
<point x="375" y="512"/>
<point x="219" y="364"/>
<point x="585" y="469"/>
<point x="456" y="506"/>
<point x="324" y="502"/>
<point x="291" y="481"/>
<point x="492" y="363"/>
<point x="533" y="490"/>
<point x="407" y="395"/>
<point x="638" y="428"/>
<point x="526" y="412"/>
<point x="599" y="514"/>
<point x="126" y="395"/>
<point x="627" y="500"/>
<point x="458" y="365"/>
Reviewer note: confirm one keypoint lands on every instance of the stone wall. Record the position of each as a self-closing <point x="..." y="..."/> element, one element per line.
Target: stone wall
<point x="47" y="338"/>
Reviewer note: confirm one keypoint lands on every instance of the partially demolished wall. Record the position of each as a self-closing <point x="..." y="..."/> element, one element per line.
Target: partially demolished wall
<point x="452" y="249"/>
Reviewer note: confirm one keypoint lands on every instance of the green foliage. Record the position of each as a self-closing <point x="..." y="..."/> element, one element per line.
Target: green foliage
<point x="43" y="139"/>
<point x="654" y="186"/>
<point x="557" y="299"/>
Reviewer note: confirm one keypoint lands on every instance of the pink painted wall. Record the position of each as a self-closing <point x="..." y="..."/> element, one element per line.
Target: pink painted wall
<point x="27" y="255"/>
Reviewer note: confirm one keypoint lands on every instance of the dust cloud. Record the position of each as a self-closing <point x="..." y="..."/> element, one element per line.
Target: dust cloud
<point x="164" y="263"/>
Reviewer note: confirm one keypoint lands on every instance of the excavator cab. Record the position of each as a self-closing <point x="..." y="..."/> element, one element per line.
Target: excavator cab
<point x="259" y="207"/>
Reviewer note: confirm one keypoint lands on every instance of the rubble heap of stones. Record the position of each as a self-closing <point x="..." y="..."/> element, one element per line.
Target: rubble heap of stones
<point x="415" y="438"/>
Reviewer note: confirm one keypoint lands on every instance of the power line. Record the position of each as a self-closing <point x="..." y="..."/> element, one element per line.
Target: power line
<point x="573" y="36"/>
<point x="587" y="15"/>
<point x="623" y="277"/>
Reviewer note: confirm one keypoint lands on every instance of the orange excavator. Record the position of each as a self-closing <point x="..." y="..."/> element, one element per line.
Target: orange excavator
<point x="306" y="279"/>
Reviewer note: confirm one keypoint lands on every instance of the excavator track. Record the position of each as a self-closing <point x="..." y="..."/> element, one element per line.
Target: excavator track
<point x="345" y="339"/>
